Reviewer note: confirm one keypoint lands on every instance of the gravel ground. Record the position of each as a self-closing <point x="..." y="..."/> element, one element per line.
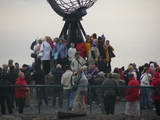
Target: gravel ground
<point x="49" y="113"/>
<point x="146" y="116"/>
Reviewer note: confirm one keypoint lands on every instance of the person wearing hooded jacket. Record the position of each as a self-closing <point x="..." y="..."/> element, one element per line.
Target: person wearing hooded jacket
<point x="132" y="108"/>
<point x="21" y="92"/>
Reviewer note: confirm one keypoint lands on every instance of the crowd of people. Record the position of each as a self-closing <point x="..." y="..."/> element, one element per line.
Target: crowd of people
<point x="59" y="51"/>
<point x="81" y="74"/>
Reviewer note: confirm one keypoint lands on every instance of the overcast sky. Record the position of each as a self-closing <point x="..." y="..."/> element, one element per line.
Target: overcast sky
<point x="132" y="26"/>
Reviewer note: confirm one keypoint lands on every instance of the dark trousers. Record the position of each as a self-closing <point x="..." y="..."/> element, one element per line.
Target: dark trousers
<point x="41" y="95"/>
<point x="38" y="61"/>
<point x="157" y="106"/>
<point x="20" y="104"/>
<point x="108" y="68"/>
<point x="109" y="104"/>
<point x="3" y="101"/>
<point x="92" y="95"/>
<point x="57" y="92"/>
<point x="46" y="66"/>
<point x="13" y="98"/>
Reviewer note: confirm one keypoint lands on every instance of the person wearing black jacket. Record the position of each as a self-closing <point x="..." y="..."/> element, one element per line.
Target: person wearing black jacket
<point x="12" y="75"/>
<point x="57" y="91"/>
<point x="39" y="78"/>
<point x="110" y="93"/>
<point x="5" y="93"/>
<point x="102" y="66"/>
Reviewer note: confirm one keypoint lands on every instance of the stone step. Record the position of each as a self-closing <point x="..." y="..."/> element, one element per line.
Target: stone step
<point x="64" y="115"/>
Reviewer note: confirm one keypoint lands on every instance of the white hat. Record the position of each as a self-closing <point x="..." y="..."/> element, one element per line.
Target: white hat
<point x="58" y="66"/>
<point x="101" y="73"/>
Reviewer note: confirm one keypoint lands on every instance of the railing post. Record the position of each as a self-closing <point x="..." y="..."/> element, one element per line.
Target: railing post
<point x="90" y="99"/>
<point x="39" y="106"/>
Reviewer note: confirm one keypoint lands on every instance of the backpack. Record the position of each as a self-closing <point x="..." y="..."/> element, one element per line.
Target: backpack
<point x="75" y="82"/>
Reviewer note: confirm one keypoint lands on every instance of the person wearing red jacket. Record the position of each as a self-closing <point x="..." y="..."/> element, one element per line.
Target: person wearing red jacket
<point x="81" y="48"/>
<point x="21" y="91"/>
<point x="156" y="93"/>
<point x="132" y="108"/>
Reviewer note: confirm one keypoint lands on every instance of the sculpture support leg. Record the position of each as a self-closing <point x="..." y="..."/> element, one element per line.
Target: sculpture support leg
<point x="73" y="31"/>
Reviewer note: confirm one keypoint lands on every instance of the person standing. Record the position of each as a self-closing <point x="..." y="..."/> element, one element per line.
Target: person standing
<point x="93" y="54"/>
<point x="94" y="38"/>
<point x="81" y="92"/>
<point x="108" y="55"/>
<point x="39" y="77"/>
<point x="21" y="91"/>
<point x="16" y="68"/>
<point x="71" y="52"/>
<point x="145" y="92"/>
<point x="91" y="75"/>
<point x="99" y="79"/>
<point x="77" y="62"/>
<point x="66" y="82"/>
<point x="88" y="44"/>
<point x="57" y="90"/>
<point x="81" y="48"/>
<point x="45" y="51"/>
<point x="132" y="107"/>
<point x="5" y="93"/>
<point x="101" y="64"/>
<point x="101" y="47"/>
<point x="156" y="92"/>
<point x="37" y="52"/>
<point x="59" y="52"/>
<point x="12" y="75"/>
<point x="110" y="94"/>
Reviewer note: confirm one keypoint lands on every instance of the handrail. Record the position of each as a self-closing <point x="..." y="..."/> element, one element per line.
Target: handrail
<point x="88" y="86"/>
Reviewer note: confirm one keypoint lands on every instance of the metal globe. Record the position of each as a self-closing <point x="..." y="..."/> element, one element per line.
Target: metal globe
<point x="72" y="12"/>
<point x="68" y="7"/>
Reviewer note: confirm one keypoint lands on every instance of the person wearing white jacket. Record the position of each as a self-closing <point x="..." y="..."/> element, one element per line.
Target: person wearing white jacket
<point x="71" y="52"/>
<point x="68" y="93"/>
<point x="45" y="52"/>
<point x="145" y="92"/>
<point x="77" y="62"/>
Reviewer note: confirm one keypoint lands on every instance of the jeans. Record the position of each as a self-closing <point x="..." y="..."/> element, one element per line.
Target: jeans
<point x="69" y="96"/>
<point x="145" y="98"/>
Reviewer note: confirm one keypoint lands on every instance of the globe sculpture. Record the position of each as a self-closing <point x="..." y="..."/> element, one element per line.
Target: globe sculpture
<point x="72" y="12"/>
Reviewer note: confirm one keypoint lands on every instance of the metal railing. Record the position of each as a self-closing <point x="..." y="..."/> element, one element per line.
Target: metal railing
<point x="90" y="102"/>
